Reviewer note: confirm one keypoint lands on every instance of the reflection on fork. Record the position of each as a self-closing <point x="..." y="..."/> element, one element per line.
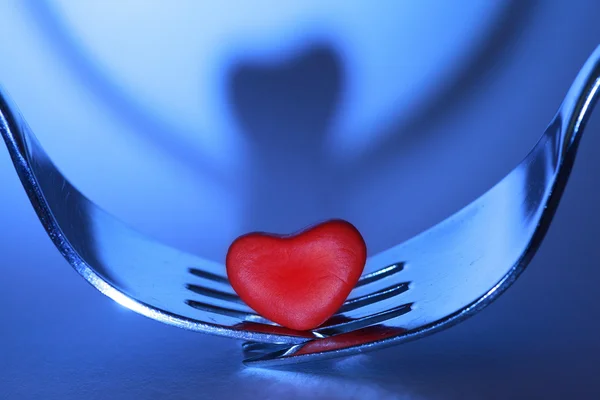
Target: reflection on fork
<point x="264" y="352"/>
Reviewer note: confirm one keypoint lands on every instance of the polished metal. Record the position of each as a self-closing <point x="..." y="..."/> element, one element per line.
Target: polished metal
<point x="416" y="288"/>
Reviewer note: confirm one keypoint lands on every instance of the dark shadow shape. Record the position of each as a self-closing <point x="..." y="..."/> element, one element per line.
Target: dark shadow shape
<point x="285" y="111"/>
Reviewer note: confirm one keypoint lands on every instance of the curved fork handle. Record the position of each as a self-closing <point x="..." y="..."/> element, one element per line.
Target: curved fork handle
<point x="11" y="121"/>
<point x="579" y="101"/>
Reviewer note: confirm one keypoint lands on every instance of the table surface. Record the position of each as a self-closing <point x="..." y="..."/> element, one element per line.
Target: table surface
<point x="61" y="339"/>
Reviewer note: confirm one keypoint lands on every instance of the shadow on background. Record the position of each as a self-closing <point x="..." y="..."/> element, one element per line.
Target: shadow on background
<point x="285" y="110"/>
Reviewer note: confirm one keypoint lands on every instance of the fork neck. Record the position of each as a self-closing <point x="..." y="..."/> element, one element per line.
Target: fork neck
<point x="579" y="102"/>
<point x="12" y="127"/>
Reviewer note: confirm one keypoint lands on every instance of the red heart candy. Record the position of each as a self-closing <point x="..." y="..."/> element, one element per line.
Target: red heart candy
<point x="300" y="280"/>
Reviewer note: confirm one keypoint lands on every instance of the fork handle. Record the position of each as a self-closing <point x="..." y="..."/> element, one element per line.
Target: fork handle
<point x="579" y="102"/>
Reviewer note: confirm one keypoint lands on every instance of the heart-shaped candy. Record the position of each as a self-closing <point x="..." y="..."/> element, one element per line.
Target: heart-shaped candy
<point x="300" y="280"/>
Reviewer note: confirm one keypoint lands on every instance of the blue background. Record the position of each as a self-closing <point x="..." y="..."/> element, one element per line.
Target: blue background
<point x="400" y="133"/>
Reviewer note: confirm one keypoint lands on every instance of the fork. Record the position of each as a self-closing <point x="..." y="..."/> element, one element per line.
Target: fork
<point x="419" y="287"/>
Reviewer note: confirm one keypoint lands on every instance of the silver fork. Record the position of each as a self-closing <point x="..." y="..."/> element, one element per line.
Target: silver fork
<point x="416" y="288"/>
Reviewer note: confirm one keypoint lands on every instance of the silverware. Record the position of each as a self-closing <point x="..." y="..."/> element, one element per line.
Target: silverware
<point x="416" y="288"/>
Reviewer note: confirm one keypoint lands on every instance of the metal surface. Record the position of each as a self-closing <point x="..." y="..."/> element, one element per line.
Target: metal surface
<point x="451" y="271"/>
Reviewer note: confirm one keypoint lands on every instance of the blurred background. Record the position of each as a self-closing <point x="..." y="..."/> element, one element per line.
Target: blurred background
<point x="196" y="122"/>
